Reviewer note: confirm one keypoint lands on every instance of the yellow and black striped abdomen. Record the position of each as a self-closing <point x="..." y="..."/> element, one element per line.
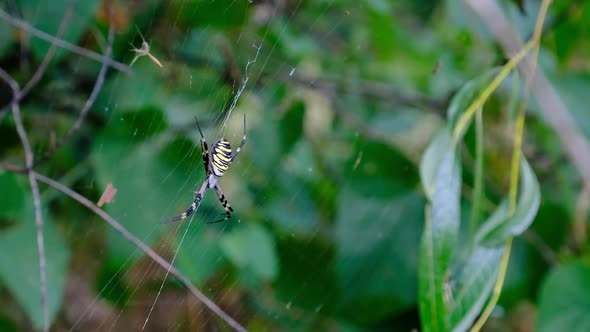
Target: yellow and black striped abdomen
<point x="221" y="157"/>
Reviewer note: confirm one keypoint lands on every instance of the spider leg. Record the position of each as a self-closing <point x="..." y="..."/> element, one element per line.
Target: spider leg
<point x="188" y="211"/>
<point x="228" y="209"/>
<point x="204" y="148"/>
<point x="234" y="155"/>
<point x="192" y="208"/>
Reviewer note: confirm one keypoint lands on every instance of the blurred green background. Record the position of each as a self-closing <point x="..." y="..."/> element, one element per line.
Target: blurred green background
<point x="341" y="101"/>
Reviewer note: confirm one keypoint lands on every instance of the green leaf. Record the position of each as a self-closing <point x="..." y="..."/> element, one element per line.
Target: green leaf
<point x="400" y="122"/>
<point x="111" y="286"/>
<point x="203" y="44"/>
<point x="299" y="215"/>
<point x="47" y="16"/>
<point x="316" y="289"/>
<point x="137" y="125"/>
<point x="19" y="265"/>
<point x="194" y="89"/>
<point x="295" y="215"/>
<point x="573" y="89"/>
<point x="291" y="125"/>
<point x="431" y="296"/>
<point x="468" y="93"/>
<point x="208" y="13"/>
<point x="501" y="225"/>
<point x="566" y="37"/>
<point x="382" y="7"/>
<point x="13" y="195"/>
<point x="377" y="245"/>
<point x="383" y="33"/>
<point x="269" y="136"/>
<point x="132" y="91"/>
<point x="295" y="45"/>
<point x="565" y="299"/>
<point x="6" y="37"/>
<point x="152" y="184"/>
<point x="526" y="270"/>
<point x="200" y="255"/>
<point x="7" y="325"/>
<point x="144" y="123"/>
<point x="473" y="285"/>
<point x="554" y="234"/>
<point x="441" y="177"/>
<point x="252" y="247"/>
<point x="377" y="170"/>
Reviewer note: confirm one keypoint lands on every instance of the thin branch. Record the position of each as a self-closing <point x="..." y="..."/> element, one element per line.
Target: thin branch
<point x="44" y="63"/>
<point x="62" y="43"/>
<point x="527" y="68"/>
<point x="38" y="216"/>
<point x="36" y="197"/>
<point x="50" y="53"/>
<point x="143" y="247"/>
<point x="579" y="223"/>
<point x="372" y="89"/>
<point x="552" y="107"/>
<point x="89" y="102"/>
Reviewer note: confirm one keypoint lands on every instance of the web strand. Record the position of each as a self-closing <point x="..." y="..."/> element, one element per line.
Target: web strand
<point x="168" y="270"/>
<point x="242" y="86"/>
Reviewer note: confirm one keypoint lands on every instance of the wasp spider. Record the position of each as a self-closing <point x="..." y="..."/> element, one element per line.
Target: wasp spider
<point x="216" y="162"/>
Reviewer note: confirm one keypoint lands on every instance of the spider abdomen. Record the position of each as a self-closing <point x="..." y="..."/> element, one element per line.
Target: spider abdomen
<point x="221" y="157"/>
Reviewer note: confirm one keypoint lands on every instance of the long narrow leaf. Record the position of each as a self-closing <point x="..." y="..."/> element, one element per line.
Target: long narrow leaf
<point x="501" y="225"/>
<point x="473" y="286"/>
<point x="441" y="176"/>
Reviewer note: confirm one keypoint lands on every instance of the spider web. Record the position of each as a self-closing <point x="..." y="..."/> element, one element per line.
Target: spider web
<point x="183" y="228"/>
<point x="176" y="241"/>
<point x="180" y="198"/>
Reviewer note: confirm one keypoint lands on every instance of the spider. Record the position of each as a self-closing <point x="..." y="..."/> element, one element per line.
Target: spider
<point x="216" y="162"/>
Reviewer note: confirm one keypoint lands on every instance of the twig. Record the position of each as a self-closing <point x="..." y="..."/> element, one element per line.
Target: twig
<point x="36" y="197"/>
<point x="50" y="53"/>
<point x="143" y="247"/>
<point x="579" y="224"/>
<point x="33" y="176"/>
<point x="89" y="102"/>
<point x="373" y="89"/>
<point x="38" y="216"/>
<point x="552" y="107"/>
<point x="528" y="69"/>
<point x="62" y="43"/>
<point x="44" y="63"/>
